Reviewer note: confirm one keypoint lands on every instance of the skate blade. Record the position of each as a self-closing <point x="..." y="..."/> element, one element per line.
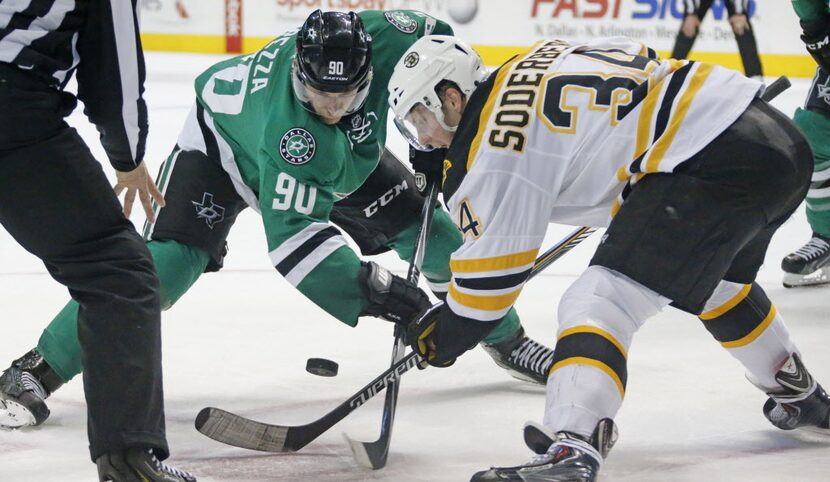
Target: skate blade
<point x="14" y="416"/>
<point x="816" y="278"/>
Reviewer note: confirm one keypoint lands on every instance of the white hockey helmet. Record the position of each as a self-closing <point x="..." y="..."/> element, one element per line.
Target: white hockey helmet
<point x="428" y="62"/>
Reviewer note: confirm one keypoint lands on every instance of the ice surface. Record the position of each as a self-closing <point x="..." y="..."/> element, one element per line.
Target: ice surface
<point x="240" y="339"/>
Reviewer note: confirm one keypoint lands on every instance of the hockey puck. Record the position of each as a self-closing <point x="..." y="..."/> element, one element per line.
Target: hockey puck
<point x="321" y="367"/>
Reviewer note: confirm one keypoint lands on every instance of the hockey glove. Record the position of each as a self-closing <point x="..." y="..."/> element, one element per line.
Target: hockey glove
<point x="428" y="167"/>
<point x="391" y="297"/>
<point x="816" y="37"/>
<point x="440" y="336"/>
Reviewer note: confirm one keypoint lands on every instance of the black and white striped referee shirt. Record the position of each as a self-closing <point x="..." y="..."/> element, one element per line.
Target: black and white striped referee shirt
<point x="700" y="7"/>
<point x="99" y="41"/>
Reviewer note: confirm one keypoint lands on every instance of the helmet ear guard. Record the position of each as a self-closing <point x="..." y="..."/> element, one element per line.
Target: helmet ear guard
<point x="430" y="61"/>
<point x="334" y="55"/>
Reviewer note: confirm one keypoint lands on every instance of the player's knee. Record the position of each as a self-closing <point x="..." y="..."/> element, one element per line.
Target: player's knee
<point x="607" y="299"/>
<point x="598" y="316"/>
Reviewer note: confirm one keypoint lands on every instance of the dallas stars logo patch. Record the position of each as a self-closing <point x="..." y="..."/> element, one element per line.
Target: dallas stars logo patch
<point x="823" y="91"/>
<point x="401" y="21"/>
<point x="297" y="146"/>
<point x="207" y="210"/>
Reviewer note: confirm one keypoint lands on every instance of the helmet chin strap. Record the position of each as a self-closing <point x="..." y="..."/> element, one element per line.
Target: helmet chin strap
<point x="442" y="123"/>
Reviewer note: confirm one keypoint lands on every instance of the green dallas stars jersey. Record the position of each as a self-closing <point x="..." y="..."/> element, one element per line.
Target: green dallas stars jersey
<point x="291" y="167"/>
<point x="809" y="10"/>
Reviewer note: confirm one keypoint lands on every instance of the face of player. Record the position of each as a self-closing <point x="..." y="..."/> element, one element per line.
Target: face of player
<point x="427" y="128"/>
<point x="330" y="106"/>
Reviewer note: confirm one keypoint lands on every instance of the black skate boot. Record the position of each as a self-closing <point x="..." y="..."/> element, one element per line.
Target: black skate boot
<point x="138" y="465"/>
<point x="809" y="265"/>
<point x="563" y="456"/>
<point x="522" y="357"/>
<point x="24" y="387"/>
<point x="802" y="402"/>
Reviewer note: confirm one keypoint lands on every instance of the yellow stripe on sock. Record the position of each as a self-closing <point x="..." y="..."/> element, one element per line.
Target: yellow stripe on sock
<point x="578" y="360"/>
<point x="754" y="334"/>
<point x="596" y="331"/>
<point x="731" y="303"/>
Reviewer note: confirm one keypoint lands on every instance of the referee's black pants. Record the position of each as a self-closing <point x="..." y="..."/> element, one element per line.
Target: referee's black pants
<point x="57" y="203"/>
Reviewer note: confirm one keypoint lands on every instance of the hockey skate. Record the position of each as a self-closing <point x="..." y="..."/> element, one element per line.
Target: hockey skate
<point x="24" y="387"/>
<point x="138" y="465"/>
<point x="802" y="403"/>
<point x="562" y="456"/>
<point x="809" y="265"/>
<point x="523" y="358"/>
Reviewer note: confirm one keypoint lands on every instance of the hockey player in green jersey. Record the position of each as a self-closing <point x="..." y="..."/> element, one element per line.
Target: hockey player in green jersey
<point x="810" y="264"/>
<point x="663" y="153"/>
<point x="296" y="131"/>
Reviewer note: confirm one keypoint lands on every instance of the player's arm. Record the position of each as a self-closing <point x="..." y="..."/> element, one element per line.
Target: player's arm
<point x="815" y="26"/>
<point x="503" y="218"/>
<point x="111" y="85"/>
<point x="111" y="80"/>
<point x="313" y="255"/>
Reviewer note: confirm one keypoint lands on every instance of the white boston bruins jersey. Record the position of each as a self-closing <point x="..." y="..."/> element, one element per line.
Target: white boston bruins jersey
<point x="560" y="134"/>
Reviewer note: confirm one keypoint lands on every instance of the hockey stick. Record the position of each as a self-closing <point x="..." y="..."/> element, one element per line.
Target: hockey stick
<point x="232" y="429"/>
<point x="373" y="454"/>
<point x="776" y="87"/>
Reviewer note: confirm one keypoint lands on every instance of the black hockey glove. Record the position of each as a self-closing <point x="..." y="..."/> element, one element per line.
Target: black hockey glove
<point x="428" y="167"/>
<point x="440" y="336"/>
<point x="391" y="297"/>
<point x="816" y="37"/>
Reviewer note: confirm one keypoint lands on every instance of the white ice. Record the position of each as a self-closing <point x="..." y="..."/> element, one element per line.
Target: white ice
<point x="240" y="339"/>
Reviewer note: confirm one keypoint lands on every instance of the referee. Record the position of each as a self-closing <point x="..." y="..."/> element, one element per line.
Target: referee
<point x="57" y="203"/>
<point x="695" y="10"/>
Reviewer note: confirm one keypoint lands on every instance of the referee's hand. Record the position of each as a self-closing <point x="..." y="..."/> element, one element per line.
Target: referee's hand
<point x="739" y="24"/>
<point x="690" y="25"/>
<point x="138" y="181"/>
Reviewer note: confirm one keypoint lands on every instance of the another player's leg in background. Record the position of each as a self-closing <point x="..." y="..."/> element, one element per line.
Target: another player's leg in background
<point x="686" y="36"/>
<point x="810" y="264"/>
<point x="184" y="247"/>
<point x="747" y="46"/>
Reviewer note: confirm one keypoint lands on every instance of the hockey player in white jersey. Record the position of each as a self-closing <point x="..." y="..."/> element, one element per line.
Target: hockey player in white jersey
<point x="689" y="170"/>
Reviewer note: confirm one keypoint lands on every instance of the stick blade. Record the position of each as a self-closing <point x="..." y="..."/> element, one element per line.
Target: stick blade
<point x="776" y="87"/>
<point x="242" y="432"/>
<point x="371" y="455"/>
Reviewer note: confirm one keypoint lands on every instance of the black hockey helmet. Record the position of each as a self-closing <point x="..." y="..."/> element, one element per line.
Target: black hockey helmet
<point x="334" y="54"/>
